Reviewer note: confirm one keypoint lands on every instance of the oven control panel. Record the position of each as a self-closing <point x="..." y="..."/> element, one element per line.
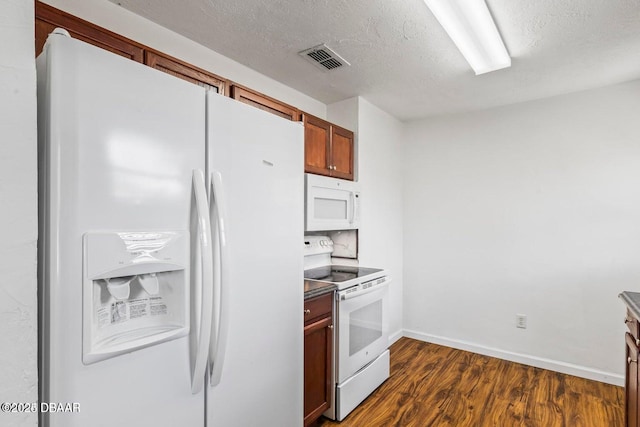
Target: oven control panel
<point x="363" y="288"/>
<point x="375" y="282"/>
<point x="314" y="245"/>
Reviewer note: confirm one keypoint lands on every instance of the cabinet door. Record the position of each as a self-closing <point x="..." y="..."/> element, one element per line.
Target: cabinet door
<point x="318" y="337"/>
<point x="317" y="137"/>
<point x="341" y="153"/>
<point x="265" y="103"/>
<point x="631" y="379"/>
<point x="185" y="71"/>
<point x="47" y="18"/>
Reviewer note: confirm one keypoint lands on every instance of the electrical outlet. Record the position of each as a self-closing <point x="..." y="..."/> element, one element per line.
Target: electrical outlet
<point x="521" y="321"/>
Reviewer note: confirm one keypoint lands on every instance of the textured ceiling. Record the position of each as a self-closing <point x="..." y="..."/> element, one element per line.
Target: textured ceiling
<point x="402" y="60"/>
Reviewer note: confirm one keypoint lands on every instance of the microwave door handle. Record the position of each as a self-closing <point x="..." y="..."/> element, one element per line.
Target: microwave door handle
<point x="351" y="202"/>
<point x="354" y="207"/>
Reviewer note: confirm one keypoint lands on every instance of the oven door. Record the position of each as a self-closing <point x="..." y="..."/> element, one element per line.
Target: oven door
<point x="363" y="328"/>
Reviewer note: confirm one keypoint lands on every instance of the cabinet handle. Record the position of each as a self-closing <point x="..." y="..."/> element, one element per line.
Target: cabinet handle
<point x="630" y="360"/>
<point x="307" y="311"/>
<point x="330" y="326"/>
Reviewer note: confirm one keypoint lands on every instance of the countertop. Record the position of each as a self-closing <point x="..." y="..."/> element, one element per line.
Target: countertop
<point x="632" y="300"/>
<point x="313" y="288"/>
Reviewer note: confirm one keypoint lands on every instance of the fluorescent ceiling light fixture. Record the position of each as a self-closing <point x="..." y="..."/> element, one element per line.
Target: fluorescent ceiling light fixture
<point x="470" y="26"/>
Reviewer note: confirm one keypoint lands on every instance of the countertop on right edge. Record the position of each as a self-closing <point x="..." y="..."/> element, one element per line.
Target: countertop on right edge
<point x="632" y="300"/>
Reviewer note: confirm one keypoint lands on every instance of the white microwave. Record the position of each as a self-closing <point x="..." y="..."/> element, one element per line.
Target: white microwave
<point x="331" y="204"/>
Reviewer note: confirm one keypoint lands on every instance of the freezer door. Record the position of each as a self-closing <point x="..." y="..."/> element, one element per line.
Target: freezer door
<point x="255" y="160"/>
<point x="118" y="146"/>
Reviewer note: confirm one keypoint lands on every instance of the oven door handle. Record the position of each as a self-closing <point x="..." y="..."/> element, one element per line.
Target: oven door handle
<point x="346" y="295"/>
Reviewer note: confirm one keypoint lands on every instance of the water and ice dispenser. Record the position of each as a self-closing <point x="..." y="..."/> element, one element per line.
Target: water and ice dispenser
<point x="135" y="291"/>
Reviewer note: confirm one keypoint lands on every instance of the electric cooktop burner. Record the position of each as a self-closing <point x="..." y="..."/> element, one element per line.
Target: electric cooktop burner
<point x="339" y="273"/>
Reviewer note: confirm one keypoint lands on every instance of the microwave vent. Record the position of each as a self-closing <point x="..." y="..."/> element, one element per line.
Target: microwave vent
<point x="323" y="57"/>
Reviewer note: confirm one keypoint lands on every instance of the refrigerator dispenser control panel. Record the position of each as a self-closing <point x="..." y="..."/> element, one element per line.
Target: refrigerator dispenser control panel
<point x="135" y="291"/>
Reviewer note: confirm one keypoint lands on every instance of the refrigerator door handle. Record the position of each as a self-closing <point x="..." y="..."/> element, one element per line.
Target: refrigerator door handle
<point x="221" y="283"/>
<point x="204" y="243"/>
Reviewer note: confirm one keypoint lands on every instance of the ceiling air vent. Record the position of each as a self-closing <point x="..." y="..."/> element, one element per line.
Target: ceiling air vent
<point x="323" y="57"/>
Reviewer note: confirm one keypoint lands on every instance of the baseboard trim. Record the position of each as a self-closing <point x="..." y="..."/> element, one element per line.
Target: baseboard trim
<point x="395" y="336"/>
<point x="538" y="362"/>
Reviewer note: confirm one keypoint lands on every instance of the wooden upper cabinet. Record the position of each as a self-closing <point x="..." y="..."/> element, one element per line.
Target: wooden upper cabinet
<point x="185" y="71"/>
<point x="48" y="18"/>
<point x="328" y="149"/>
<point x="342" y="152"/>
<point x="263" y="102"/>
<point x="317" y="145"/>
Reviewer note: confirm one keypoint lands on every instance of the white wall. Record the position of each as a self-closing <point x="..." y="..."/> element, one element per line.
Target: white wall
<point x="380" y="175"/>
<point x="121" y="21"/>
<point x="18" y="215"/>
<point x="533" y="209"/>
<point x="378" y="150"/>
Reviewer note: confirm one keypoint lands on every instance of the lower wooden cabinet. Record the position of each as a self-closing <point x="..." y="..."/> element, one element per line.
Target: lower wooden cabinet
<point x="318" y="348"/>
<point x="632" y="380"/>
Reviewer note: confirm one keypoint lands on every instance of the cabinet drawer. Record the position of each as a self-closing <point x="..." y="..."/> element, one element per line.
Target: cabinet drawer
<point x="632" y="324"/>
<point x="318" y="307"/>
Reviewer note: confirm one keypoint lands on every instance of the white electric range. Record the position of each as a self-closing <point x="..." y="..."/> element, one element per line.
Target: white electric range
<point x="361" y="340"/>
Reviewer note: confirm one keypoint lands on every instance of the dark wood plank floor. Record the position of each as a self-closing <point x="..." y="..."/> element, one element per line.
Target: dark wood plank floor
<point x="431" y="385"/>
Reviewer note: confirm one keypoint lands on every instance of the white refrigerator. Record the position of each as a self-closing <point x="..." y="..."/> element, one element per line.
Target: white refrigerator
<point x="170" y="263"/>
